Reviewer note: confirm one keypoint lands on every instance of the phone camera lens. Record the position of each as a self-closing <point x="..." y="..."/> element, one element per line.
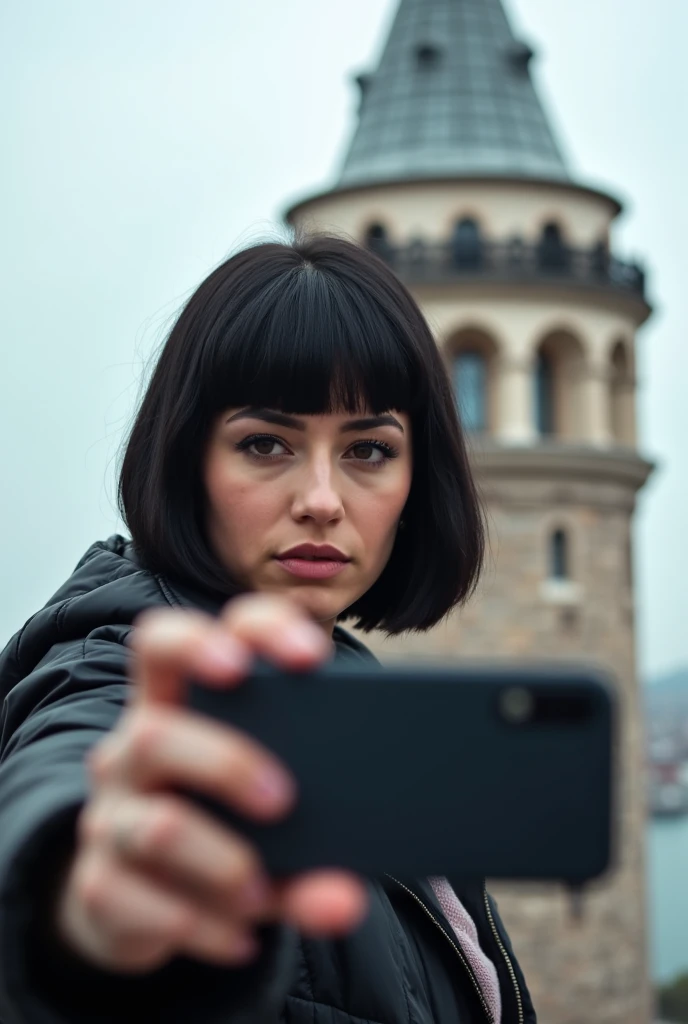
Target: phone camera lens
<point x="517" y="704"/>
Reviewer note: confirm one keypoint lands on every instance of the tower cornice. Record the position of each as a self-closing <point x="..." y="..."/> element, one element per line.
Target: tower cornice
<point x="561" y="465"/>
<point x="566" y="188"/>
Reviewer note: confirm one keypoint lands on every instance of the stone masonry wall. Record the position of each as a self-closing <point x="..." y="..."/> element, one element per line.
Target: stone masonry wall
<point x="592" y="970"/>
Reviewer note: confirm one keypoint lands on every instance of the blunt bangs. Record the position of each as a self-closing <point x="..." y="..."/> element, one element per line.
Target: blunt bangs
<point x="316" y="326"/>
<point x="308" y="345"/>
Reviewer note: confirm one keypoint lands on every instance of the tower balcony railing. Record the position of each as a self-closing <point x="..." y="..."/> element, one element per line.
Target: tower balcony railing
<point x="419" y="263"/>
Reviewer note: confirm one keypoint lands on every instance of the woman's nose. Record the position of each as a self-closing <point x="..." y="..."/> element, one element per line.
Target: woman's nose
<point x="318" y="498"/>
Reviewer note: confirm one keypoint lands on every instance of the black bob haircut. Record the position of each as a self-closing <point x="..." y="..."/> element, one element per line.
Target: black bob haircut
<point x="315" y="326"/>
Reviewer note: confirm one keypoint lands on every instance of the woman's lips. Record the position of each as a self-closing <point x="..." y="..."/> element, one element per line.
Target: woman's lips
<point x="312" y="568"/>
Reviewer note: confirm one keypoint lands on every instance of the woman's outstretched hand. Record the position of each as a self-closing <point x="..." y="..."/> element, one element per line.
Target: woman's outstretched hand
<point x="153" y="876"/>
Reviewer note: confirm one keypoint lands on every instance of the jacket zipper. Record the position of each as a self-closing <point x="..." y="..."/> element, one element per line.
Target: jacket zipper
<point x="457" y="950"/>
<point x="504" y="953"/>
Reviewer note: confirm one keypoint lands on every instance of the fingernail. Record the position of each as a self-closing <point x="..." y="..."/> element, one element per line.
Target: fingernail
<point x="223" y="654"/>
<point x="274" y="788"/>
<point x="305" y="638"/>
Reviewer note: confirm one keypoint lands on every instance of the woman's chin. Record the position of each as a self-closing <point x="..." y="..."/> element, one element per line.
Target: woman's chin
<point x="319" y="604"/>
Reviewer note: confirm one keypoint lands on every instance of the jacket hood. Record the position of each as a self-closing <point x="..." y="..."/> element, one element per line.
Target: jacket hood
<point x="108" y="587"/>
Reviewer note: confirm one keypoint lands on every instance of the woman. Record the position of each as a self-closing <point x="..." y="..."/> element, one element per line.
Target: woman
<point x="296" y="460"/>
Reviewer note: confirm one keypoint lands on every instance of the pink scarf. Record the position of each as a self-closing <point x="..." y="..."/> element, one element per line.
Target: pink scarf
<point x="467" y="934"/>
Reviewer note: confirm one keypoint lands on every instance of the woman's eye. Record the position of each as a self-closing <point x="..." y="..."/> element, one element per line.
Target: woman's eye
<point x="262" y="447"/>
<point x="372" y="452"/>
<point x="266" y="446"/>
<point x="366" y="452"/>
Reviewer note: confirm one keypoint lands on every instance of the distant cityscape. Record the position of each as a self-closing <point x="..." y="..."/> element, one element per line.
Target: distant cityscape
<point x="666" y="704"/>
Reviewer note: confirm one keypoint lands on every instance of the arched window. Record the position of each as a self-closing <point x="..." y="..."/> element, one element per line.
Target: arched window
<point x="467" y="244"/>
<point x="559" y="556"/>
<point x="600" y="259"/>
<point x="558" y="387"/>
<point x="622" y="396"/>
<point x="416" y="251"/>
<point x="552" y="252"/>
<point x="544" y="394"/>
<point x="377" y="240"/>
<point x="515" y="251"/>
<point x="469" y="370"/>
<point x="472" y="356"/>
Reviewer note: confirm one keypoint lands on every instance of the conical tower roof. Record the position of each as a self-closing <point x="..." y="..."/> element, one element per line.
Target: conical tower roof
<point x="452" y="97"/>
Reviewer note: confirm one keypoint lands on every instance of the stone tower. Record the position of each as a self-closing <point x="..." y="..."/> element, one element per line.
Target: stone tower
<point x="455" y="177"/>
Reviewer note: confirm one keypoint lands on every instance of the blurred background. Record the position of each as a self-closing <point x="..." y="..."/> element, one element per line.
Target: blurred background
<point x="145" y="143"/>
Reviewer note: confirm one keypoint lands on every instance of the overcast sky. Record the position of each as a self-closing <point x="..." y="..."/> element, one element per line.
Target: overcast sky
<point x="145" y="141"/>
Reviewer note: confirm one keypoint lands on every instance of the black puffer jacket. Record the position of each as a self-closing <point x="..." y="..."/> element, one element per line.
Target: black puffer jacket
<point x="63" y="680"/>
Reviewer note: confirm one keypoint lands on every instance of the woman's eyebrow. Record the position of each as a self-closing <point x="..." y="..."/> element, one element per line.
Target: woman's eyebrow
<point x="280" y="419"/>
<point x="370" y="422"/>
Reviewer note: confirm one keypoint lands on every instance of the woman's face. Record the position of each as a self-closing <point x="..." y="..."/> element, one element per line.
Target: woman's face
<point x="307" y="506"/>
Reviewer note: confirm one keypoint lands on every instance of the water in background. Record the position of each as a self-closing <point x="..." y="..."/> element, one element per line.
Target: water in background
<point x="667" y="852"/>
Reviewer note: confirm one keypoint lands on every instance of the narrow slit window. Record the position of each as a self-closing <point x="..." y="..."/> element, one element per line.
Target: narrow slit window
<point x="377" y="240"/>
<point x="559" y="556"/>
<point x="552" y="250"/>
<point x="467" y="244"/>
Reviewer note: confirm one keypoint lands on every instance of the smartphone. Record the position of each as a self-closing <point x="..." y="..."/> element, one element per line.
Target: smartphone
<point x="504" y="772"/>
